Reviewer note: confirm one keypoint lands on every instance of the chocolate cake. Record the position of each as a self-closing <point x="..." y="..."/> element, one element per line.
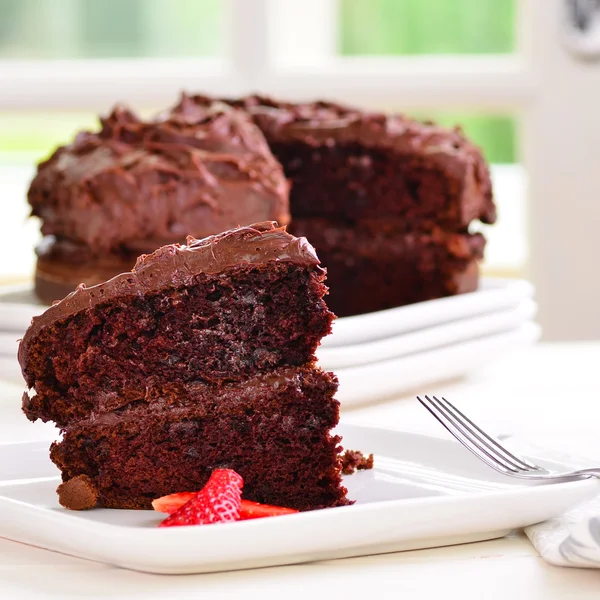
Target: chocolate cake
<point x="386" y="200"/>
<point x="136" y="185"/>
<point x="201" y="357"/>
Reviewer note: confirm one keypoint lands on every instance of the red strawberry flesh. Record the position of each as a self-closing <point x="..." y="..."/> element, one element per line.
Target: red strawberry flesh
<point x="172" y="503"/>
<point x="255" y="510"/>
<point x="169" y="504"/>
<point x="219" y="501"/>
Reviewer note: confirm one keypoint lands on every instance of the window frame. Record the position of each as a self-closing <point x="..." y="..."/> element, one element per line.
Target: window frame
<point x="265" y="49"/>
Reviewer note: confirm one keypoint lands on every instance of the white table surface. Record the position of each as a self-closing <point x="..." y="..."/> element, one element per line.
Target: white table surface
<point x="548" y="394"/>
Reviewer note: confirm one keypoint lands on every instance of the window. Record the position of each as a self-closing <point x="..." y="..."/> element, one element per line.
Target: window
<point x="499" y="68"/>
<point x="417" y="27"/>
<point x="84" y="29"/>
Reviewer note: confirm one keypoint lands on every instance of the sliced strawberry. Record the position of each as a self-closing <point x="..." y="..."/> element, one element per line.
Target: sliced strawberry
<point x="255" y="510"/>
<point x="219" y="501"/>
<point x="248" y="509"/>
<point x="169" y="504"/>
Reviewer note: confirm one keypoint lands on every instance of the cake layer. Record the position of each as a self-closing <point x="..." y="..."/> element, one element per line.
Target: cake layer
<point x="374" y="265"/>
<point x="200" y="172"/>
<point x="220" y="309"/>
<point x="345" y="163"/>
<point x="351" y="181"/>
<point x="273" y="430"/>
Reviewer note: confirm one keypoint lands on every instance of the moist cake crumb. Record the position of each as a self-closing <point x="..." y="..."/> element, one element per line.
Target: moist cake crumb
<point x="355" y="460"/>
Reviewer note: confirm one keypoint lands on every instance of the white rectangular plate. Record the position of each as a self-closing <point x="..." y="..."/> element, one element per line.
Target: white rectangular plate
<point x="423" y="492"/>
<point x="387" y="379"/>
<point x="493" y="295"/>
<point x="427" y="338"/>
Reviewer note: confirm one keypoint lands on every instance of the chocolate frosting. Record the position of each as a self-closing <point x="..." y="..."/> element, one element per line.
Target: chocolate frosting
<point x="196" y="396"/>
<point x="142" y="184"/>
<point x="176" y="266"/>
<point x="326" y="123"/>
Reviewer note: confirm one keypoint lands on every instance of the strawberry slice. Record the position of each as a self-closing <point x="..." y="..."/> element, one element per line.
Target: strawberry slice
<point x="248" y="509"/>
<point x="169" y="504"/>
<point x="256" y="510"/>
<point x="219" y="501"/>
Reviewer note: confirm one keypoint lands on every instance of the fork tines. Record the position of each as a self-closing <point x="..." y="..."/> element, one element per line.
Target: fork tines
<point x="484" y="446"/>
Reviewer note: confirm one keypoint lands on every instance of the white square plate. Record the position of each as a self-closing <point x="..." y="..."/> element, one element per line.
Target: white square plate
<point x="423" y="492"/>
<point x="494" y="294"/>
<point x="387" y="379"/>
<point x="427" y="338"/>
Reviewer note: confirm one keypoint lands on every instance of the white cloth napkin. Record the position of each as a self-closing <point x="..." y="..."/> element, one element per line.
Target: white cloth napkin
<point x="571" y="540"/>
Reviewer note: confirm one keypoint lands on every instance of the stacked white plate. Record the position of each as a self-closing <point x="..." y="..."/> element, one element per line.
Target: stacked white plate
<point x="387" y="353"/>
<point x="376" y="355"/>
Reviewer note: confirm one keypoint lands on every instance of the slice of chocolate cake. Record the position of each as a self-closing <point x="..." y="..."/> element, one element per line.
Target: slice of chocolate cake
<point x="136" y="185"/>
<point x="201" y="357"/>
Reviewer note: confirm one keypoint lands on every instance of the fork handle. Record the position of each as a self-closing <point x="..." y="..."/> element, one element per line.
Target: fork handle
<point x="595" y="472"/>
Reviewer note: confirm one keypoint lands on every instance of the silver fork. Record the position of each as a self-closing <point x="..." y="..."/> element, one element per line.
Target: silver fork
<point x="490" y="450"/>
